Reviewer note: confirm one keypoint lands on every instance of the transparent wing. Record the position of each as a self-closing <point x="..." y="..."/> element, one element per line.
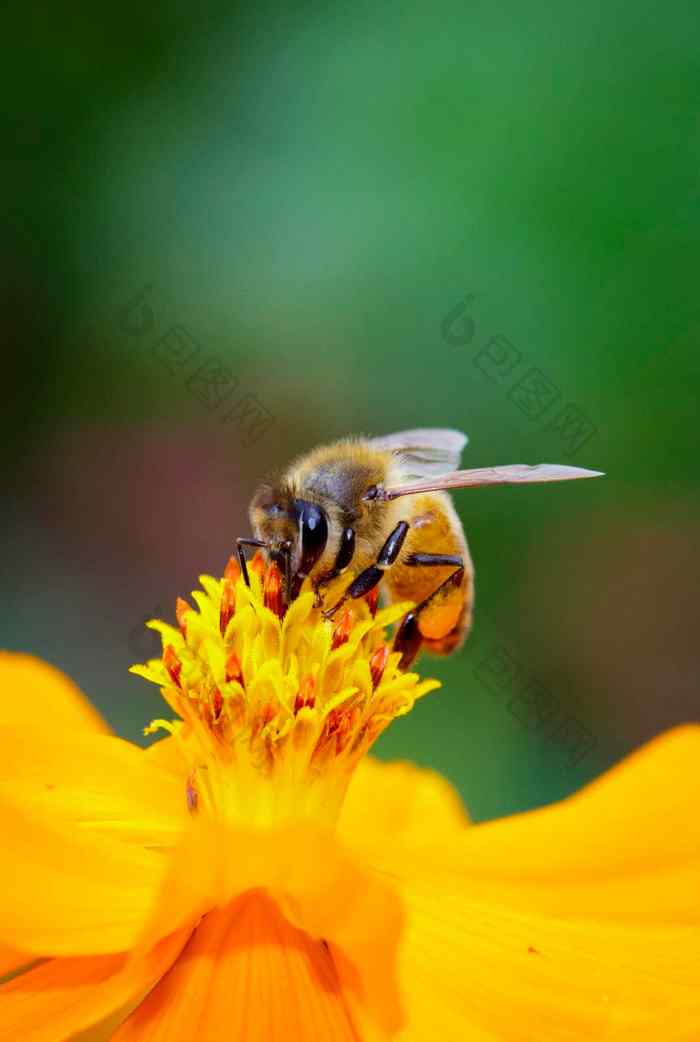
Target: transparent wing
<point x="513" y="474"/>
<point x="425" y="452"/>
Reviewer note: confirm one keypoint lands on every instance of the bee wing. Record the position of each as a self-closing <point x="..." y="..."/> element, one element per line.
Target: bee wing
<point x="425" y="452"/>
<point x="513" y="474"/>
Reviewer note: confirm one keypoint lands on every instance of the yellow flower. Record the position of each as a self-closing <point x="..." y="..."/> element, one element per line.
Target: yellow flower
<point x="255" y="876"/>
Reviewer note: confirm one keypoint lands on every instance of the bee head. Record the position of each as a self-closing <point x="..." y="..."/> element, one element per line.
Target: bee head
<point x="290" y="526"/>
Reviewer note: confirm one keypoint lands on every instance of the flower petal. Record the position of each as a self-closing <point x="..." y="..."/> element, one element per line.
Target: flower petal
<point x="318" y="887"/>
<point x="166" y="753"/>
<point x="399" y="799"/>
<point x="476" y="969"/>
<point x="12" y="960"/>
<point x="625" y="847"/>
<point x="62" y="895"/>
<point x="575" y="921"/>
<point x="62" y="996"/>
<point x="32" y="691"/>
<point x="88" y="783"/>
<point x="650" y="795"/>
<point x="246" y="974"/>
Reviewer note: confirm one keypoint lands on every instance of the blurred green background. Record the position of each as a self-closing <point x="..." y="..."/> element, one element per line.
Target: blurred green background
<point x="235" y="232"/>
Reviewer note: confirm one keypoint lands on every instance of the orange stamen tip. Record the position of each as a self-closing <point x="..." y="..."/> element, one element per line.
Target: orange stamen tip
<point x="272" y="590"/>
<point x="181" y="610"/>
<point x="372" y="599"/>
<point x="341" y="633"/>
<point x="228" y="604"/>
<point x="172" y="664"/>
<point x="258" y="565"/>
<point x="233" y="668"/>
<point x="377" y="663"/>
<point x="217" y="703"/>
<point x="306" y="695"/>
<point x="340" y="724"/>
<point x="232" y="570"/>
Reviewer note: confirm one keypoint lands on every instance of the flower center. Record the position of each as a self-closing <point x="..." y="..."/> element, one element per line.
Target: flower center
<point x="276" y="707"/>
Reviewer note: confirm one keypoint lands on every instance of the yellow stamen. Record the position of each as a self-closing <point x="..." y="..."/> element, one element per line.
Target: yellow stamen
<point x="276" y="707"/>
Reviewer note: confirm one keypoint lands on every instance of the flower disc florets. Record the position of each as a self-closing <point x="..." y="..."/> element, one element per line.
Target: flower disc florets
<point x="276" y="706"/>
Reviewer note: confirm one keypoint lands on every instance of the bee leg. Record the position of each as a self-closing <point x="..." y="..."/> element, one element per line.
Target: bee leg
<point x="318" y="587"/>
<point x="283" y="558"/>
<point x="324" y="581"/>
<point x="368" y="579"/>
<point x="408" y="637"/>
<point x="343" y="558"/>
<point x="240" y="543"/>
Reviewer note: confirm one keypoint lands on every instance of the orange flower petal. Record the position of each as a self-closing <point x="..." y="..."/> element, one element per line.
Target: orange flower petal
<point x="572" y="922"/>
<point x="249" y="975"/>
<point x="88" y="783"/>
<point x="62" y="895"/>
<point x="11" y="960"/>
<point x="399" y="799"/>
<point x="62" y="996"/>
<point x="32" y="692"/>
<point x="319" y="888"/>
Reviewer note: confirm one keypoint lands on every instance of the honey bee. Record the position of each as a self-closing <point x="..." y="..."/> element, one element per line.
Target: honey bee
<point x="344" y="505"/>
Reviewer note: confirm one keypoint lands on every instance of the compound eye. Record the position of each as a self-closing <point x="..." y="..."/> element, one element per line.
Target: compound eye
<point x="313" y="528"/>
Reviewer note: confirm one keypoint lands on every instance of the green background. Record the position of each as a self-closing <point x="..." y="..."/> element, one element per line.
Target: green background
<point x="309" y="192"/>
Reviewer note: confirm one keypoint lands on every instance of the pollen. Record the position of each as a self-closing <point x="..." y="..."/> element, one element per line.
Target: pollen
<point x="275" y="705"/>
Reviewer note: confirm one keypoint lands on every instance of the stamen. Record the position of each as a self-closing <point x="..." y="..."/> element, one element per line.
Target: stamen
<point x="172" y="664"/>
<point x="306" y="694"/>
<point x="299" y="717"/>
<point x="272" y="591"/>
<point x="377" y="663"/>
<point x="181" y="610"/>
<point x="228" y="604"/>
<point x="257" y="565"/>
<point x="232" y="571"/>
<point x="233" y="668"/>
<point x="340" y="728"/>
<point x="217" y="703"/>
<point x="341" y="633"/>
<point x="161" y="725"/>
<point x="372" y="599"/>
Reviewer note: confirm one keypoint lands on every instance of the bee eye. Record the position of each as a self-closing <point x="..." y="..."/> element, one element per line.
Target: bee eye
<point x="313" y="529"/>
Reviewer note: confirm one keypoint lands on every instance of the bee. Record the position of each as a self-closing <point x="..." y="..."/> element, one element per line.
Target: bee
<point x="381" y="506"/>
